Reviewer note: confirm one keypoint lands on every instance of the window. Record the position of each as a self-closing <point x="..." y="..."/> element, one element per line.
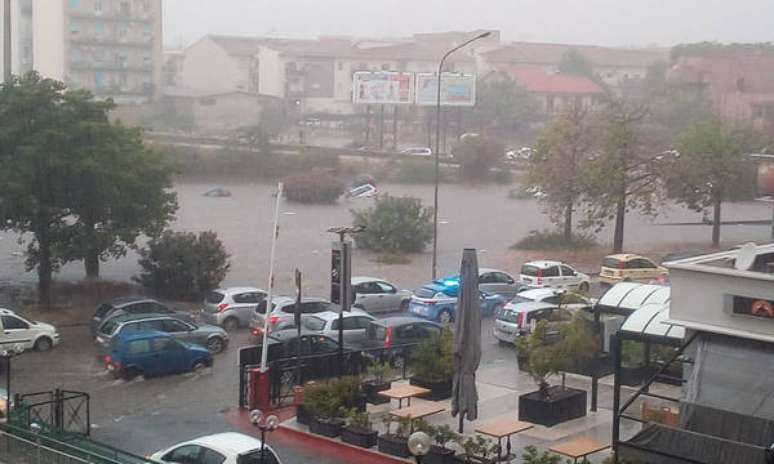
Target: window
<point x="555" y="299"/>
<point x="567" y="271"/>
<point x="165" y="344"/>
<point x="250" y="297"/>
<point x="645" y="264"/>
<point x="321" y="345"/>
<point x="75" y="28"/>
<point x="212" y="457"/>
<point x="216" y="297"/>
<point x="109" y="327"/>
<point x="502" y="278"/>
<point x="315" y="324"/>
<point x="385" y="67"/>
<point x="149" y="325"/>
<point x="611" y="263"/>
<point x="384" y="287"/>
<point x="487" y="278"/>
<point x="147" y="31"/>
<point x="123" y="32"/>
<point x="123" y="80"/>
<point x="362" y="66"/>
<point x="310" y="307"/>
<point x="340" y="66"/>
<point x="14" y="323"/>
<point x="351" y="323"/>
<point x="138" y="347"/>
<point x="173" y="325"/>
<point x="529" y="270"/>
<point x="188" y="454"/>
<point x="99" y="79"/>
<point x="552" y="271"/>
<point x="98" y="7"/>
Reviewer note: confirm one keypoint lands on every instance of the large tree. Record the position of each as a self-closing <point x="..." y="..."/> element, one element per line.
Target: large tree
<point x="711" y="167"/>
<point x="562" y="151"/>
<point x="503" y="106"/>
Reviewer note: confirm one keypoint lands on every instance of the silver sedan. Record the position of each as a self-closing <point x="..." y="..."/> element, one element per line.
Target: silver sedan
<point x="376" y="295"/>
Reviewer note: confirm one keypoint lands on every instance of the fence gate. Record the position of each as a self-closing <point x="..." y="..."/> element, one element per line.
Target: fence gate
<point x="58" y="412"/>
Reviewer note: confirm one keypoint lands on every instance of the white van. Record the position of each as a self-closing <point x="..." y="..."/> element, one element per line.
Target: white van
<point x="19" y="333"/>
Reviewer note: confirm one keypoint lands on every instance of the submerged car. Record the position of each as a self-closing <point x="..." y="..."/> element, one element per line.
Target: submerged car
<point x="376" y="295"/>
<point x="131" y="305"/>
<point x="434" y="303"/>
<point x="491" y="281"/>
<point x="517" y="321"/>
<point x="152" y="353"/>
<point x="212" y="337"/>
<point x="231" y="307"/>
<point x="629" y="268"/>
<point x="553" y="274"/>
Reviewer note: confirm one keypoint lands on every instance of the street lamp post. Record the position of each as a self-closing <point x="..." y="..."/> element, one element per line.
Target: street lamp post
<point x="7" y="355"/>
<point x="438" y="145"/>
<point x="269" y="425"/>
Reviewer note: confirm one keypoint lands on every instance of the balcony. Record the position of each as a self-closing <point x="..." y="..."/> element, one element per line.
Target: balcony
<point x="145" y="42"/>
<point x="112" y="16"/>
<point x="109" y="66"/>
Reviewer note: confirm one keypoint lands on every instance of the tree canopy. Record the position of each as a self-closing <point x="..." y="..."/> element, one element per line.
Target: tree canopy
<point x="503" y="106"/>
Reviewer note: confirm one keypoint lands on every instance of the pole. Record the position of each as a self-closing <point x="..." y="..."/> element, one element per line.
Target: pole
<point x="344" y="297"/>
<point x="7" y="40"/>
<point x="395" y="129"/>
<point x="368" y="124"/>
<point x="266" y="318"/>
<point x="298" y="327"/>
<point x="263" y="443"/>
<point x="772" y="219"/>
<point x="615" y="349"/>
<point x="381" y="127"/>
<point x="7" y="384"/>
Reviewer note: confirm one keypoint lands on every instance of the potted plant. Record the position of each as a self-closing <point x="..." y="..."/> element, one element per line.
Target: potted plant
<point x="349" y="391"/>
<point x="395" y="444"/>
<point x="359" y="431"/>
<point x="442" y="435"/>
<point x="550" y="405"/>
<point x="378" y="372"/>
<point x="532" y="456"/>
<point x="432" y="365"/>
<point x="324" y="406"/>
<point x="478" y="450"/>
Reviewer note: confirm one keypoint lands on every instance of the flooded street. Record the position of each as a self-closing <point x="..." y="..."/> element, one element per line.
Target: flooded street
<point x="481" y="217"/>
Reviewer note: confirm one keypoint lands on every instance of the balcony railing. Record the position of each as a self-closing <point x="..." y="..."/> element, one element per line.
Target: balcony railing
<point x="145" y="42"/>
<point x="91" y="65"/>
<point x="113" y="16"/>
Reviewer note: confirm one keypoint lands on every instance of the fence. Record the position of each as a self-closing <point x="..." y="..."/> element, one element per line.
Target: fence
<point x="56" y="412"/>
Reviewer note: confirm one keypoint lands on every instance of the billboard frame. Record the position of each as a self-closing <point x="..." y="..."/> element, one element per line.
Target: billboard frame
<point x="359" y="89"/>
<point x="432" y="78"/>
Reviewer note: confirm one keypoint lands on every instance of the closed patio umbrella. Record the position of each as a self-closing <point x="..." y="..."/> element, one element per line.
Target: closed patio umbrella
<point x="467" y="340"/>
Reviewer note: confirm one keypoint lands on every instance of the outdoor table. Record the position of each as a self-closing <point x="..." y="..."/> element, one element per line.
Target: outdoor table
<point x="418" y="411"/>
<point x="503" y="428"/>
<point x="404" y="392"/>
<point x="579" y="448"/>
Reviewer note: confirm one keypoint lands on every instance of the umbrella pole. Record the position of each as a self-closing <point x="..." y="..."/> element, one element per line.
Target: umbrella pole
<point x="461" y="424"/>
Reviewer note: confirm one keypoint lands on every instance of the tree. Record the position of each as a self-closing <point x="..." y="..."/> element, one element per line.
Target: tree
<point x="39" y="147"/>
<point x="503" y="106"/>
<point x="121" y="193"/>
<point x="562" y="150"/>
<point x="477" y="155"/>
<point x="711" y="167"/>
<point x="394" y="225"/>
<point x="621" y="175"/>
<point x="575" y="63"/>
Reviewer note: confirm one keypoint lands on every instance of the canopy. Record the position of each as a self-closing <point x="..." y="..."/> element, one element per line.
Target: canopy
<point x="650" y="322"/>
<point x="626" y="297"/>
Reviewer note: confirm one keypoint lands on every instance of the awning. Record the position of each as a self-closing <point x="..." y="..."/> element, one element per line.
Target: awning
<point x="627" y="297"/>
<point x="650" y="321"/>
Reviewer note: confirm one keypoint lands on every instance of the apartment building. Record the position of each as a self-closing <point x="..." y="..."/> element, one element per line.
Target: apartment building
<point x="110" y="47"/>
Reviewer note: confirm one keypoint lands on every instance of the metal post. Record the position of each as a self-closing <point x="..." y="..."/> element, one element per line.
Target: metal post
<point x="7" y="40"/>
<point x="368" y="124"/>
<point x="772" y="218"/>
<point x="381" y="127"/>
<point x="8" y="383"/>
<point x="595" y="365"/>
<point x="263" y="443"/>
<point x="395" y="129"/>
<point x="298" y="327"/>
<point x="266" y="318"/>
<point x="615" y="348"/>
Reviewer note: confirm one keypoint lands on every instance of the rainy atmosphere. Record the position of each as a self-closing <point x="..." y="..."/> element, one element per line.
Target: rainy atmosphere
<point x="440" y="232"/>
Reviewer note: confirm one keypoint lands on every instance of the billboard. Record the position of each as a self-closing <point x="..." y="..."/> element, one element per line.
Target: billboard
<point x="456" y="89"/>
<point x="765" y="175"/>
<point x="382" y="88"/>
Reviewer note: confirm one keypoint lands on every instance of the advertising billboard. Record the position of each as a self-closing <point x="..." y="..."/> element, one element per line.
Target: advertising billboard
<point x="456" y="89"/>
<point x="382" y="88"/>
<point x="765" y="175"/>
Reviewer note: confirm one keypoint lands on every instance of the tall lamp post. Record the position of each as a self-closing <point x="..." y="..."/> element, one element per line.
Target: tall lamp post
<point x="6" y="355"/>
<point x="438" y="145"/>
<point x="269" y="425"/>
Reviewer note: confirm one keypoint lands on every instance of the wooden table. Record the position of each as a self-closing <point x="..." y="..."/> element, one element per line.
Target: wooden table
<point x="503" y="428"/>
<point x="579" y="448"/>
<point x="418" y="411"/>
<point x="404" y="392"/>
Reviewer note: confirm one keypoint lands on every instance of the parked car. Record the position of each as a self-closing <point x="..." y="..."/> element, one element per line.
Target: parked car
<point x="231" y="307"/>
<point x="22" y="334"/>
<point x="489" y="280"/>
<point x="417" y="151"/>
<point x="376" y="295"/>
<point x="397" y="337"/>
<point x="214" y="338"/>
<point x="152" y="353"/>
<point x="629" y="268"/>
<point x="131" y="305"/>
<point x="516" y="321"/>
<point x="221" y="448"/>
<point x="433" y="302"/>
<point x="570" y="300"/>
<point x="522" y="154"/>
<point x="362" y="191"/>
<point x="282" y="315"/>
<point x="553" y="274"/>
<point x="327" y="323"/>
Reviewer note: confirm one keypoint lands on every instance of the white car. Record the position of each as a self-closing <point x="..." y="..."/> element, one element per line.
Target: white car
<point x="327" y="323"/>
<point x="363" y="191"/>
<point x="417" y="151"/>
<point x="221" y="448"/>
<point x="553" y="274"/>
<point x="568" y="300"/>
<point x="231" y="307"/>
<point x="23" y="334"/>
<point x="376" y="295"/>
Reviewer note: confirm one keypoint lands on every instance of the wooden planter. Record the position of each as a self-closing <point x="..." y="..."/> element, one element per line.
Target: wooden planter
<point x="438" y="390"/>
<point x="330" y="428"/>
<point x="358" y="437"/>
<point x="302" y="416"/>
<point x="371" y="390"/>
<point x="439" y="455"/>
<point x="394" y="445"/>
<point x="559" y="406"/>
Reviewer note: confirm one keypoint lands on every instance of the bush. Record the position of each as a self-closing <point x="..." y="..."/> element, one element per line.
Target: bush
<point x="182" y="265"/>
<point x="433" y="359"/>
<point x="320" y="187"/>
<point x="503" y="176"/>
<point x="415" y="171"/>
<point x="477" y="155"/>
<point x="333" y="398"/>
<point x="532" y="456"/>
<point x="546" y="240"/>
<point x="394" y="225"/>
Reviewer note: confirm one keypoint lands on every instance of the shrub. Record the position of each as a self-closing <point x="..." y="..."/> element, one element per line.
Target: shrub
<point x="477" y="155"/>
<point x="394" y="225"/>
<point x="433" y="359"/>
<point x="503" y="176"/>
<point x="319" y="187"/>
<point x="532" y="456"/>
<point x="183" y="265"/>
<point x="415" y="171"/>
<point x="333" y="398"/>
<point x="546" y="240"/>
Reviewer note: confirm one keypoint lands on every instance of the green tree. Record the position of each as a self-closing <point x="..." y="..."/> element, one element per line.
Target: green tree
<point x="562" y="151"/>
<point x="575" y="63"/>
<point x="503" y="106"/>
<point x="394" y="224"/>
<point x="477" y="155"/>
<point x="711" y="167"/>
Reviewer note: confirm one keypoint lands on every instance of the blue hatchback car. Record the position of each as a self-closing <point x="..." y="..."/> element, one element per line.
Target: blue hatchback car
<point x="438" y="302"/>
<point x="152" y="353"/>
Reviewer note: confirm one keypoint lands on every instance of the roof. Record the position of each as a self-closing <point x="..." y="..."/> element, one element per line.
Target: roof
<point x="125" y="300"/>
<point x="627" y="297"/>
<point x="229" y="443"/>
<point x="724" y="262"/>
<point x="650" y="321"/>
<point x="538" y="81"/>
<point x="141" y="335"/>
<point x="532" y="306"/>
<point x="134" y="317"/>
<point x="332" y="315"/>
<point x="624" y="256"/>
<point x="361" y="279"/>
<point x="246" y="46"/>
<point x="231" y="290"/>
<point x="543" y="263"/>
<point x="399" y="320"/>
<point x="551" y="54"/>
<point x="535" y="293"/>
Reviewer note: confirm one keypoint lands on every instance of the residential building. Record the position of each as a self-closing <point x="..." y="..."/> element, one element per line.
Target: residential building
<point x="110" y="47"/>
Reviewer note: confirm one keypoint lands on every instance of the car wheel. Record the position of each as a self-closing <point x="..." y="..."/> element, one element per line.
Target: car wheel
<point x="404" y="305"/>
<point x="445" y="317"/>
<point x="584" y="287"/>
<point x="198" y="366"/>
<point x="230" y="324"/>
<point x="215" y="345"/>
<point x="131" y="373"/>
<point x="43" y="344"/>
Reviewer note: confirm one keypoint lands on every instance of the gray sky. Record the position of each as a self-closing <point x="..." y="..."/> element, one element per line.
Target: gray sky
<point x="603" y="22"/>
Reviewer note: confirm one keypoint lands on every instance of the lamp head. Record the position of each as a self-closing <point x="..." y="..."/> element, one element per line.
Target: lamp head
<point x="419" y="443"/>
<point x="272" y="422"/>
<point x="255" y="416"/>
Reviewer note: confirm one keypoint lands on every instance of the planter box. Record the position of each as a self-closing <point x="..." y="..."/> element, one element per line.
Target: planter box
<point x="560" y="406"/>
<point x="372" y="389"/>
<point x="462" y="459"/>
<point x="438" y="390"/>
<point x="395" y="446"/>
<point x="439" y="455"/>
<point x="359" y="438"/>
<point x="330" y="428"/>
<point x="302" y="416"/>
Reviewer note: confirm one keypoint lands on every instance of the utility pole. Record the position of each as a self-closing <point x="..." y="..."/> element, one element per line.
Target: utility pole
<point x="6" y="40"/>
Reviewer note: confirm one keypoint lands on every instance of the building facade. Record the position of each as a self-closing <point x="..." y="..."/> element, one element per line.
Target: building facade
<point x="111" y="47"/>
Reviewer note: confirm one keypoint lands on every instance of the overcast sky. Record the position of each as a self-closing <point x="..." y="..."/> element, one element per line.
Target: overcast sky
<point x="603" y="22"/>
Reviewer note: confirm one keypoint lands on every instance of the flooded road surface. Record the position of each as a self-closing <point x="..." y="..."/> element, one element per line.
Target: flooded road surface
<point x="480" y="217"/>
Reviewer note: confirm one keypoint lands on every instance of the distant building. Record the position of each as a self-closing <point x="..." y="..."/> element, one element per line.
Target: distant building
<point x="110" y="47"/>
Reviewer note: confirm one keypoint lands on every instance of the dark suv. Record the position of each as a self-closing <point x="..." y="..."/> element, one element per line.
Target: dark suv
<point x="131" y="305"/>
<point x="398" y="336"/>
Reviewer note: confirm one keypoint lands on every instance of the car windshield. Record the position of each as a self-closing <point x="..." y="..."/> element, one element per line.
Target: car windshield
<point x="103" y="309"/>
<point x="508" y="316"/>
<point x="109" y="327"/>
<point x="314" y="324"/>
<point x="521" y="299"/>
<point x="424" y="292"/>
<point x="215" y="297"/>
<point x="611" y="262"/>
<point x="529" y="270"/>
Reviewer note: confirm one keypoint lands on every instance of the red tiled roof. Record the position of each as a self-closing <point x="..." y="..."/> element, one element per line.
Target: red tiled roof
<point x="538" y="81"/>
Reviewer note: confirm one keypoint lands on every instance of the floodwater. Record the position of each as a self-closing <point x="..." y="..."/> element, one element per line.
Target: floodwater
<point x="480" y="217"/>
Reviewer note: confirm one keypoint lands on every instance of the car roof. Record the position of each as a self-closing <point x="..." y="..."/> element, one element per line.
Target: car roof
<point x="624" y="256"/>
<point x="361" y="279"/>
<point x="142" y="335"/>
<point x="535" y="293"/>
<point x="543" y="263"/>
<point x="332" y="315"/>
<point x="7" y="311"/>
<point x="139" y="317"/>
<point x="125" y="300"/>
<point x="482" y="270"/>
<point x="232" y="290"/>
<point x="533" y="306"/>
<point x="228" y="443"/>
<point x="400" y="320"/>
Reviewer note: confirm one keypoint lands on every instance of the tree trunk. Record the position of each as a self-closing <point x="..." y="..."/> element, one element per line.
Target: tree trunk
<point x="618" y="236"/>
<point x="91" y="253"/>
<point x="568" y="222"/>
<point x="45" y="269"/>
<point x="716" y="223"/>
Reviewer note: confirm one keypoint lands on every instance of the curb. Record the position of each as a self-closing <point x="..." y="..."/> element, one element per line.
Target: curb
<point x="347" y="451"/>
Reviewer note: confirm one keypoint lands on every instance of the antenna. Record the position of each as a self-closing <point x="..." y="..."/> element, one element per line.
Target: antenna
<point x="745" y="257"/>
